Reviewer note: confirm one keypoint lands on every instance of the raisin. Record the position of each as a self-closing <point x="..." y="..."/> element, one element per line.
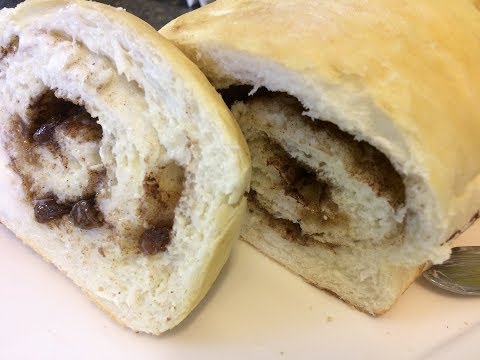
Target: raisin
<point x="155" y="240"/>
<point x="44" y="134"/>
<point x="83" y="127"/>
<point x="49" y="209"/>
<point x="85" y="214"/>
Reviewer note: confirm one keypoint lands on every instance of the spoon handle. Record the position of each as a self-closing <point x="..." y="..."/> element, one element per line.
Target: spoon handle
<point x="460" y="273"/>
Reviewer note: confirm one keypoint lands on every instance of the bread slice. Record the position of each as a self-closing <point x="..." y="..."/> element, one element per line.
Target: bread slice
<point x="120" y="163"/>
<point x="372" y="104"/>
<point x="323" y="204"/>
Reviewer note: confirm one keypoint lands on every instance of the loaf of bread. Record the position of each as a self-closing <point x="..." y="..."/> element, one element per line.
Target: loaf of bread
<point x="120" y="163"/>
<point x="362" y="119"/>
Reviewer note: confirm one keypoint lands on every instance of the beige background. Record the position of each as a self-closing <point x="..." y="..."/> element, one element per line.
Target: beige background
<point x="257" y="310"/>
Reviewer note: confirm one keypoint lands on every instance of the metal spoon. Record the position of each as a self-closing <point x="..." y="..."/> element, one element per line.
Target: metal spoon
<point x="460" y="273"/>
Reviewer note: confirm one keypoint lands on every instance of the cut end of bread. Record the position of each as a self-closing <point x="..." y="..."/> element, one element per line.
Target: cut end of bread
<point x="338" y="190"/>
<point x="362" y="158"/>
<point x="121" y="164"/>
<point x="324" y="205"/>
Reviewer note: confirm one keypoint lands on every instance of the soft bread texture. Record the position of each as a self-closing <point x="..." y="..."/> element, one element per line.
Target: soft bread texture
<point x="393" y="74"/>
<point x="164" y="131"/>
<point x="351" y="194"/>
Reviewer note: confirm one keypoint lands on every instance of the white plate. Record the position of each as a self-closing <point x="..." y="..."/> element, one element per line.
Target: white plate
<point x="256" y="310"/>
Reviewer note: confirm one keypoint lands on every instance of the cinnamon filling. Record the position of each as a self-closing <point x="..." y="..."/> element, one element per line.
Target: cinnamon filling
<point x="301" y="183"/>
<point x="55" y="151"/>
<point x="381" y="175"/>
<point x="51" y="114"/>
<point x="290" y="231"/>
<point x="162" y="191"/>
<point x="10" y="49"/>
<point x="51" y="120"/>
<point x="313" y="199"/>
